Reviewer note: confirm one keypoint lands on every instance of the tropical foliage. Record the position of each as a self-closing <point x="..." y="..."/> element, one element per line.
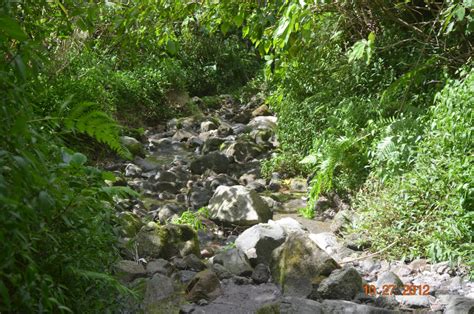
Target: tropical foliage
<point x="374" y="100"/>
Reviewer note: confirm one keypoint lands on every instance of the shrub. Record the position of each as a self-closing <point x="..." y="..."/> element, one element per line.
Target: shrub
<point x="429" y="206"/>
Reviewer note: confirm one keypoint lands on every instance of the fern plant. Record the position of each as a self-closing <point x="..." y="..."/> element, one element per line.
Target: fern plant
<point x="325" y="165"/>
<point x="85" y="118"/>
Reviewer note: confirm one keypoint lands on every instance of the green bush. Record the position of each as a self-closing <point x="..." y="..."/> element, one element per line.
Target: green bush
<point x="428" y="209"/>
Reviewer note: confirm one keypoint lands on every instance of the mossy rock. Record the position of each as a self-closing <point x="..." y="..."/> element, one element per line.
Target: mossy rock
<point x="130" y="224"/>
<point x="299" y="265"/>
<point x="133" y="145"/>
<point x="157" y="241"/>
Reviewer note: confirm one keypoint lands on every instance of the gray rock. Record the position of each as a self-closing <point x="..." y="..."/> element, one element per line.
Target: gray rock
<point x="199" y="197"/>
<point x="289" y="225"/>
<point x="274" y="185"/>
<point x="238" y="205"/>
<point x="221" y="271"/>
<point x="184" y="276"/>
<point x="259" y="241"/>
<point x="225" y="129"/>
<point x="238" y="299"/>
<point x="326" y="241"/>
<point x="340" y="221"/>
<point x="127" y="271"/>
<point x="414" y="301"/>
<point x="240" y="280"/>
<point x="166" y="241"/>
<point x="208" y="126"/>
<point x="298" y="185"/>
<point x="390" y="278"/>
<point x="162" y="295"/>
<point x="460" y="305"/>
<point x="264" y="122"/>
<point x="341" y="306"/>
<point x="214" y="161"/>
<point x="205" y="285"/>
<point x="235" y="261"/>
<point x="342" y="284"/>
<point x="242" y="151"/>
<point x="243" y="117"/>
<point x="147" y="164"/>
<point x="159" y="266"/>
<point x="132" y="170"/>
<point x="194" y="263"/>
<point x="299" y="263"/>
<point x="257" y="185"/>
<point x="133" y="145"/>
<point x="194" y="142"/>
<point x="182" y="135"/>
<point x="166" y="176"/>
<point x="273" y="204"/>
<point x="261" y="274"/>
<point x="169" y="187"/>
<point x="290" y="305"/>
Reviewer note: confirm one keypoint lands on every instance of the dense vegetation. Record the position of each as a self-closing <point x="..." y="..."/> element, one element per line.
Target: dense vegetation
<point x="375" y="101"/>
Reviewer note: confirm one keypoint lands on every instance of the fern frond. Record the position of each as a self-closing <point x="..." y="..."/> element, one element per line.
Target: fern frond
<point x="84" y="118"/>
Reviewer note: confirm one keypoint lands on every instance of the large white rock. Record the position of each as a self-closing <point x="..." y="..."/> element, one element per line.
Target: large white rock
<point x="238" y="205"/>
<point x="259" y="241"/>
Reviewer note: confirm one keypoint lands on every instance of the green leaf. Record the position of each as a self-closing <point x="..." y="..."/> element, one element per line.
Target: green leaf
<point x="281" y="27"/>
<point x="238" y="20"/>
<point x="225" y="27"/>
<point x="172" y="47"/>
<point x="107" y="175"/>
<point x="12" y="29"/>
<point x="78" y="159"/>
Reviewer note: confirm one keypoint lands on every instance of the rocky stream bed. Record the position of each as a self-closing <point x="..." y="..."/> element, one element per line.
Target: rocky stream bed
<point x="253" y="252"/>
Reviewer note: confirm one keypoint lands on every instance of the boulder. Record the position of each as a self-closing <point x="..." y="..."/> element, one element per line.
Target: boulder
<point x="460" y="305"/>
<point x="132" y="170"/>
<point x="289" y="225"/>
<point x="164" y="186"/>
<point x="263" y="122"/>
<point x="237" y="298"/>
<point x="199" y="197"/>
<point x="130" y="224"/>
<point x="208" y="126"/>
<point x="299" y="263"/>
<point x="167" y="241"/>
<point x="159" y="266"/>
<point x="214" y="161"/>
<point x="162" y="295"/>
<point x="242" y="151"/>
<point x="194" y="263"/>
<point x="205" y="285"/>
<point x="133" y="145"/>
<point x="327" y="241"/>
<point x="290" y="305"/>
<point x="235" y="261"/>
<point x="341" y="306"/>
<point x="166" y="176"/>
<point x="298" y="185"/>
<point x="238" y="205"/>
<point x="342" y="284"/>
<point x="389" y="278"/>
<point x="259" y="241"/>
<point x="182" y="135"/>
<point x="127" y="271"/>
<point x="261" y="274"/>
<point x="263" y="110"/>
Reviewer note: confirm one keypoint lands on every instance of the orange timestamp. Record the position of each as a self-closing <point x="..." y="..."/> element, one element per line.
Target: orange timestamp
<point x="390" y="289"/>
